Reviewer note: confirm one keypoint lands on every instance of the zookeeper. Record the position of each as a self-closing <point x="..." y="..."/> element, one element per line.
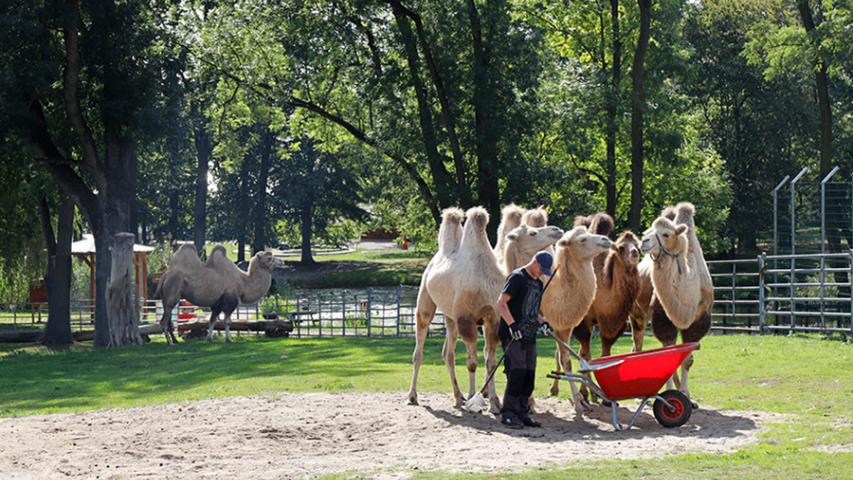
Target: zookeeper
<point x="520" y="322"/>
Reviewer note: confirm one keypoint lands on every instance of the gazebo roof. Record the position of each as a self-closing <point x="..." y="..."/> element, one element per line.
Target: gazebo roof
<point x="86" y="246"/>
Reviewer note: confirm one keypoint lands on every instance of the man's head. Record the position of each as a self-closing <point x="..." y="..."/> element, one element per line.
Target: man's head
<point x="541" y="264"/>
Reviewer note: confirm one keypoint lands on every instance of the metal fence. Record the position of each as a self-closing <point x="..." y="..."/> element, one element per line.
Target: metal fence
<point x="803" y="292"/>
<point x="807" y="292"/>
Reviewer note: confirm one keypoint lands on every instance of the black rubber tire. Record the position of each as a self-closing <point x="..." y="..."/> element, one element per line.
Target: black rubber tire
<point x="672" y="419"/>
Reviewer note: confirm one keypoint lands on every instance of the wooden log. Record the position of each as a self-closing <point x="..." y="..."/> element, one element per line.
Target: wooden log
<point x="271" y="327"/>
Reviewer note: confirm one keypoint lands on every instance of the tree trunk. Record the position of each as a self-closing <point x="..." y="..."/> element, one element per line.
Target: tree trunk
<point x="638" y="106"/>
<point x="57" y="281"/>
<point x="203" y="151"/>
<point x="121" y="304"/>
<point x="486" y="140"/>
<point x="260" y="214"/>
<point x="243" y="211"/>
<point x="306" y="225"/>
<point x="822" y="84"/>
<point x="613" y="108"/>
<point x="442" y="179"/>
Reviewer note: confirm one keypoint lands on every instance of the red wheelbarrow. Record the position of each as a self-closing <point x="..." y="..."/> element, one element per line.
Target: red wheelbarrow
<point x="636" y="375"/>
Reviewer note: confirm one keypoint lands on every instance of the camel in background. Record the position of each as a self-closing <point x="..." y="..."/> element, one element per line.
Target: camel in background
<point x="218" y="284"/>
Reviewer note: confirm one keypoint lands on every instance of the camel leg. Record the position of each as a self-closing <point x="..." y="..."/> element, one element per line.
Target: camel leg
<point x="468" y="331"/>
<point x="638" y="333"/>
<point x="214" y="316"/>
<point x="583" y="333"/>
<point x="229" y="304"/>
<point x="694" y="333"/>
<point x="664" y="331"/>
<point x="424" y="318"/>
<point x="449" y="354"/>
<point x="578" y="400"/>
<point x="166" y="323"/>
<point x="555" y="387"/>
<point x="490" y="332"/>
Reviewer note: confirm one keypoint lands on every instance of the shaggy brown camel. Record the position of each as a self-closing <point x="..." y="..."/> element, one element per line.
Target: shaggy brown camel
<point x="683" y="291"/>
<point x="571" y="293"/>
<point x="218" y="284"/>
<point x="465" y="285"/>
<point x="618" y="284"/>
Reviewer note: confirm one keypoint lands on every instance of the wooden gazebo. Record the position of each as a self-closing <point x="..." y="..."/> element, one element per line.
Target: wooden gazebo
<point x="85" y="249"/>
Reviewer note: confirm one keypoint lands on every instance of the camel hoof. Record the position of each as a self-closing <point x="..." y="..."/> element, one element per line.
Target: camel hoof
<point x="413" y="400"/>
<point x="694" y="404"/>
<point x="555" y="391"/>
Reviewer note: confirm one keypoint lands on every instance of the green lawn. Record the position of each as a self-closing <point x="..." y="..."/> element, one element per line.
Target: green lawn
<point x="809" y="378"/>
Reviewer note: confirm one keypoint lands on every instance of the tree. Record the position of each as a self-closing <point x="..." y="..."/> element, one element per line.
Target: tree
<point x="638" y="107"/>
<point x="106" y="77"/>
<point x="57" y="279"/>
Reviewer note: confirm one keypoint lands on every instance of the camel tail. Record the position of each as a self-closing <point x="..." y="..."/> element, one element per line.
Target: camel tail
<point x="450" y="231"/>
<point x="157" y="292"/>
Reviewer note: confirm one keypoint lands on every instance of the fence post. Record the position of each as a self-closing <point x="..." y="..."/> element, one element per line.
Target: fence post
<point x="369" y="307"/>
<point x="344" y="312"/>
<point x="762" y="310"/>
<point x="850" y="276"/>
<point x="398" y="310"/>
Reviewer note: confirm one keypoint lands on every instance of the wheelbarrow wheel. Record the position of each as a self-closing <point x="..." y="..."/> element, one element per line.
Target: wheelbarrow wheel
<point x="678" y="414"/>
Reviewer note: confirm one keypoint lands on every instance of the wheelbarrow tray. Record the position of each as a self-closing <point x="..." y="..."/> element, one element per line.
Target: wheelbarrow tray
<point x="640" y="374"/>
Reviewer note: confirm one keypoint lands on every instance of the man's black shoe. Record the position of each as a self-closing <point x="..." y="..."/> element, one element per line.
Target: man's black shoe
<point x="512" y="423"/>
<point x="529" y="422"/>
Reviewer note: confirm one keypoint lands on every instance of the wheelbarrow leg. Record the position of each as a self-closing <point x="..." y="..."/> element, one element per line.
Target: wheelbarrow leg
<point x="613" y="419"/>
<point x="639" y="411"/>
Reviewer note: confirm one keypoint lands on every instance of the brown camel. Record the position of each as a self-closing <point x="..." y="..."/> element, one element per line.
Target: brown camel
<point x="683" y="291"/>
<point x="618" y="285"/>
<point x="218" y="284"/>
<point x="571" y="292"/>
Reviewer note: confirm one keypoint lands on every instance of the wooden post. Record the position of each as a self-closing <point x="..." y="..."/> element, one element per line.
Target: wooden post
<point x="122" y="312"/>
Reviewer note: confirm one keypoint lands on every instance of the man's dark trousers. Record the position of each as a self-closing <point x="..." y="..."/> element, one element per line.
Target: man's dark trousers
<point x="520" y="369"/>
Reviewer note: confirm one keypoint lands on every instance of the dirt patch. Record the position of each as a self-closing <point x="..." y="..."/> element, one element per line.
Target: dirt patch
<point x="307" y="435"/>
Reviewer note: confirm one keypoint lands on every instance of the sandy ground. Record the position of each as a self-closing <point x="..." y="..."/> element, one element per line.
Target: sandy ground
<point x="308" y="435"/>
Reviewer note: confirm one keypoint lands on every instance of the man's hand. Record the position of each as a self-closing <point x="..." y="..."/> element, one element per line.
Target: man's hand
<point x="515" y="331"/>
<point x="545" y="328"/>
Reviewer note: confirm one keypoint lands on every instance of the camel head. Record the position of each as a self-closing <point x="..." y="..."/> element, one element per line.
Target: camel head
<point x="627" y="247"/>
<point x="580" y="244"/>
<point x="525" y="241"/>
<point x="263" y="260"/>
<point x="665" y="236"/>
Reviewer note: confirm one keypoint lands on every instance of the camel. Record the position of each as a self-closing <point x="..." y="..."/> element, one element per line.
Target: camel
<point x="218" y="284"/>
<point x="683" y="293"/>
<point x="463" y="280"/>
<point x="618" y="284"/>
<point x="571" y="293"/>
<point x="521" y="244"/>
<point x="513" y="216"/>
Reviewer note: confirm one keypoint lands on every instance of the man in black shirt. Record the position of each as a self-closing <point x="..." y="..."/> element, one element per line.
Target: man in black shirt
<point x="520" y="321"/>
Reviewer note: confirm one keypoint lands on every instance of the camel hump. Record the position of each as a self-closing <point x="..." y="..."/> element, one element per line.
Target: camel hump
<point x="185" y="256"/>
<point x="536" y="218"/>
<point x="452" y="216"/>
<point x="511" y="215"/>
<point x="599" y="223"/>
<point x="477" y="217"/>
<point x="450" y="231"/>
<point x="219" y="250"/>
<point x="668" y="213"/>
<point x="684" y="213"/>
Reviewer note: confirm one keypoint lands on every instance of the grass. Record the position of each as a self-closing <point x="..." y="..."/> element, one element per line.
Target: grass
<point x="809" y="378"/>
